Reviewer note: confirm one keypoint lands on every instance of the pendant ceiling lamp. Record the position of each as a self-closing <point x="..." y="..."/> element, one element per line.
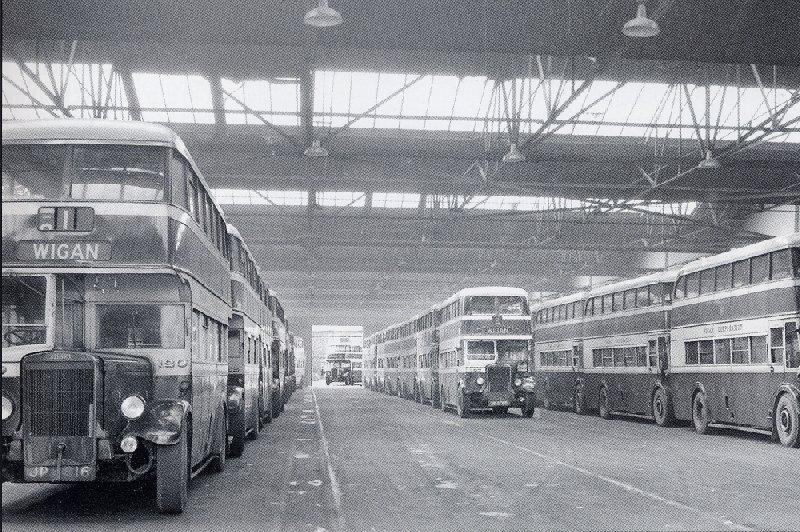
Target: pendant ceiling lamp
<point x="640" y="26"/>
<point x="513" y="155"/>
<point x="316" y="150"/>
<point x="323" y="16"/>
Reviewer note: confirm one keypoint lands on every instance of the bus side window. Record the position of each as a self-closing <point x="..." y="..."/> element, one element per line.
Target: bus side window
<point x="777" y="347"/>
<point x="652" y="355"/>
<point x="781" y="265"/>
<point x="792" y="345"/>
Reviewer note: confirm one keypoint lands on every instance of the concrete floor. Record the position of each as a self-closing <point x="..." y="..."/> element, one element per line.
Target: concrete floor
<point x="344" y="458"/>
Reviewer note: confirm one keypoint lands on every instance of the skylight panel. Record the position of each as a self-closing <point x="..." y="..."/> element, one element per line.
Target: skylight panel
<point x="395" y="200"/>
<point x="227" y="196"/>
<point x="183" y="98"/>
<point x="340" y="198"/>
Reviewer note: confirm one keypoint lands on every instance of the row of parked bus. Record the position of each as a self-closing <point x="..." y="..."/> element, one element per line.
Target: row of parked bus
<point x="139" y="337"/>
<point x="712" y="342"/>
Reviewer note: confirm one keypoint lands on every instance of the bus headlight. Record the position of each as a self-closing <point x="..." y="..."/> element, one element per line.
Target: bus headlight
<point x="517" y="382"/>
<point x="132" y="407"/>
<point x="8" y="407"/>
<point x="479" y="381"/>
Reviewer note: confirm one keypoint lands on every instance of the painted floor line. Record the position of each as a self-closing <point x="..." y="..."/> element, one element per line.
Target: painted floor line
<point x="627" y="487"/>
<point x="336" y="490"/>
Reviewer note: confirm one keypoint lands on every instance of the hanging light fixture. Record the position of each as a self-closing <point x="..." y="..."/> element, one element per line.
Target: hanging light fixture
<point x="640" y="26"/>
<point x="709" y="162"/>
<point x="323" y="16"/>
<point x="513" y="155"/>
<point x="315" y="150"/>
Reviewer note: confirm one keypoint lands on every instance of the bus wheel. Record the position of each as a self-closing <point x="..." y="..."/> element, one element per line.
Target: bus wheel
<point x="578" y="403"/>
<point x="500" y="410"/>
<point x="442" y="402"/>
<point x="268" y="410"/>
<point x="529" y="406"/>
<point x="662" y="413"/>
<point x="436" y="399"/>
<point x="700" y="414"/>
<point x="546" y="403"/>
<point x="238" y="432"/>
<point x="172" y="475"/>
<point x="787" y="421"/>
<point x="218" y="461"/>
<point x="463" y="405"/>
<point x="256" y="429"/>
<point x="604" y="404"/>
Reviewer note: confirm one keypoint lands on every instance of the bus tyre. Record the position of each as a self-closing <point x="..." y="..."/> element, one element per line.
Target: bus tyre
<point x="603" y="404"/>
<point x="579" y="404"/>
<point x="256" y="428"/>
<point x="436" y="398"/>
<point x="662" y="413"/>
<point x="700" y="413"/>
<point x="172" y="475"/>
<point x="217" y="464"/>
<point x="500" y="410"/>
<point x="787" y="421"/>
<point x="268" y="410"/>
<point x="442" y="402"/>
<point x="529" y="406"/>
<point x="238" y="432"/>
<point x="463" y="405"/>
<point x="546" y="403"/>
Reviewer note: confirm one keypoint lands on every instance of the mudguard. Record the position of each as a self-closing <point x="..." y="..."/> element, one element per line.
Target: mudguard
<point x="162" y="422"/>
<point x="784" y="388"/>
<point x="235" y="398"/>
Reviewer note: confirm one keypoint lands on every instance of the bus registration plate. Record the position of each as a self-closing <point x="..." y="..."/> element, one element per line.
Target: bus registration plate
<point x="65" y="473"/>
<point x="499" y="403"/>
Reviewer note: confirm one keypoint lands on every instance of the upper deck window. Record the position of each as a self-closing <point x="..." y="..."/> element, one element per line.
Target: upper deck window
<point x="131" y="173"/>
<point x="24" y="302"/>
<point x="86" y="172"/>
<point x="33" y="171"/>
<point x="490" y="305"/>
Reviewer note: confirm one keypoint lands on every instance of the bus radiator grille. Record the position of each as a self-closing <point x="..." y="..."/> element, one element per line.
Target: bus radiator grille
<point x="498" y="378"/>
<point x="58" y="400"/>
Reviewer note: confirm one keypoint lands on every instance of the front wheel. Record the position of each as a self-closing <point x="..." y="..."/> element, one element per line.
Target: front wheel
<point x="529" y="406"/>
<point x="218" y="461"/>
<point x="662" y="413"/>
<point x="463" y="405"/>
<point x="579" y="404"/>
<point x="172" y="475"/>
<point x="701" y="416"/>
<point x="604" y="405"/>
<point x="238" y="432"/>
<point x="787" y="421"/>
<point x="546" y="402"/>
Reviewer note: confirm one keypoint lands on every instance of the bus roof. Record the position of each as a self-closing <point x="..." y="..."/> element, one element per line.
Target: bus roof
<point x="485" y="291"/>
<point x="97" y="130"/>
<point x="561" y="300"/>
<point x="667" y="276"/>
<point x="753" y="250"/>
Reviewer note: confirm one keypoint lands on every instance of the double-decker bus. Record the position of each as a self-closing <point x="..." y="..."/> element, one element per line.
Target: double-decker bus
<point x="372" y="379"/>
<point x="249" y="335"/>
<point x="299" y="361"/>
<point x="625" y="334"/>
<point x="558" y="351"/>
<point x="280" y="346"/>
<point x="735" y="355"/>
<point x="471" y="351"/>
<point x="115" y="308"/>
<point x="484" y="351"/>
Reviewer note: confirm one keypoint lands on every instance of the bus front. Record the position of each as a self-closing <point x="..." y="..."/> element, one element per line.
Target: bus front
<point x="496" y="344"/>
<point x="97" y="322"/>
